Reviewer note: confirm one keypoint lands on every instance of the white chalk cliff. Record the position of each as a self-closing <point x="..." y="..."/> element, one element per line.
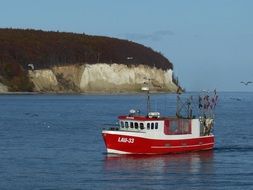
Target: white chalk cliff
<point x="101" y="78"/>
<point x="3" y="88"/>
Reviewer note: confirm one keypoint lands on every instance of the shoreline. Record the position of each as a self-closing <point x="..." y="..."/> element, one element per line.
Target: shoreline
<point x="82" y="93"/>
<point x="105" y="93"/>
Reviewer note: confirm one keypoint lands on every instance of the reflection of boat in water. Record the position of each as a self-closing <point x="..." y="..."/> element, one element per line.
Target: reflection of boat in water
<point x="194" y="162"/>
<point x="155" y="134"/>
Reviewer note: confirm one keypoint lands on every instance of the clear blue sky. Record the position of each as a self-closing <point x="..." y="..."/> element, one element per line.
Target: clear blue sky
<point x="210" y="42"/>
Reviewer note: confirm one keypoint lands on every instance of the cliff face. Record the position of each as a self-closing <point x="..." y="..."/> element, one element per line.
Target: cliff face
<point x="3" y="88"/>
<point x="35" y="60"/>
<point x="101" y="78"/>
<point x="44" y="80"/>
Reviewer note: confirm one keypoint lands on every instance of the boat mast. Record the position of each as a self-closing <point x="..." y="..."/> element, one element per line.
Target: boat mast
<point x="146" y="88"/>
<point x="148" y="102"/>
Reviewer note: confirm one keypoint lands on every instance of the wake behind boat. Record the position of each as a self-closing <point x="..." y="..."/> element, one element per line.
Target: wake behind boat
<point x="156" y="134"/>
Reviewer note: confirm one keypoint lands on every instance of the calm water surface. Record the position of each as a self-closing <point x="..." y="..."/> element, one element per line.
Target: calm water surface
<point x="54" y="142"/>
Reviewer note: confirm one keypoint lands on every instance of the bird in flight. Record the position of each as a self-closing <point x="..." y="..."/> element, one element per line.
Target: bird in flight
<point x="246" y="83"/>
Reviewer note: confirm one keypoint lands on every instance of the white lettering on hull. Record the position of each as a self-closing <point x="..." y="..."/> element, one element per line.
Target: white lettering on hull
<point x="125" y="140"/>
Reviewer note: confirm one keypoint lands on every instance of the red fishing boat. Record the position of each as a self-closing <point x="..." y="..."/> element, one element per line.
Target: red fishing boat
<point x="156" y="134"/>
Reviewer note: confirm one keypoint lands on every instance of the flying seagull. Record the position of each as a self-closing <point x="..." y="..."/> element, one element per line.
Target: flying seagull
<point x="246" y="83"/>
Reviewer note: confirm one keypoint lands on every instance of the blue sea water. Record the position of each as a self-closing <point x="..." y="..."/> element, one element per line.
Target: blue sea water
<point x="55" y="142"/>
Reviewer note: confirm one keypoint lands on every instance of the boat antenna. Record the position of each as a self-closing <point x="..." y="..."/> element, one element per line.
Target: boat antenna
<point x="146" y="89"/>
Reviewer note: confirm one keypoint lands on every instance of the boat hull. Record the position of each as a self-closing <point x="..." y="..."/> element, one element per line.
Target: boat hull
<point x="126" y="144"/>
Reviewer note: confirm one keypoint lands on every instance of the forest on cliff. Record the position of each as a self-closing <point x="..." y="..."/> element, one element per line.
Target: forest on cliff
<point x="21" y="47"/>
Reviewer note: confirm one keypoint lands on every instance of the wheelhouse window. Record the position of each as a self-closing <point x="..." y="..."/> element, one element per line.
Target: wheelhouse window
<point x="185" y="127"/>
<point x="174" y="127"/>
<point x="126" y="124"/>
<point x="132" y="125"/>
<point x="177" y="127"/>
<point x="156" y="125"/>
<point x="141" y="126"/>
<point x="136" y="125"/>
<point x="152" y="125"/>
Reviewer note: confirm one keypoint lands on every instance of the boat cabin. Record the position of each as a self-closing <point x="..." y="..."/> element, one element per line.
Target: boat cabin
<point x="153" y="123"/>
